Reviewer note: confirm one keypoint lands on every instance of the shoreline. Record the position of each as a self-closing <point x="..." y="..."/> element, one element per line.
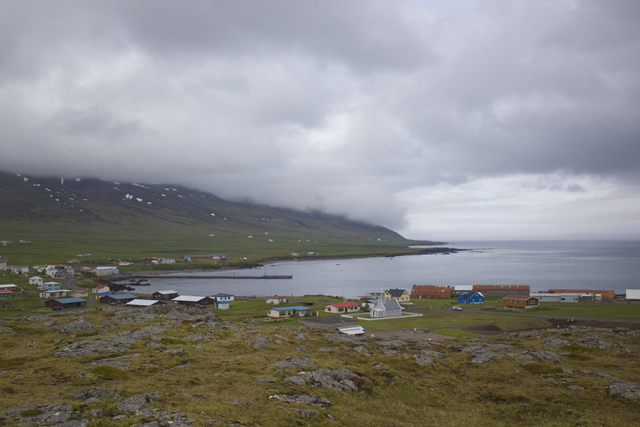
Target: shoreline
<point x="273" y="260"/>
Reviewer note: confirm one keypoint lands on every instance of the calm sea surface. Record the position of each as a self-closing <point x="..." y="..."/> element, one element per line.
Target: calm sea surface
<point x="539" y="264"/>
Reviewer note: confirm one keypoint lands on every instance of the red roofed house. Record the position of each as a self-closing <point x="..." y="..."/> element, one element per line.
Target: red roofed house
<point x="342" y="307"/>
<point x="517" y="302"/>
<point x="5" y="293"/>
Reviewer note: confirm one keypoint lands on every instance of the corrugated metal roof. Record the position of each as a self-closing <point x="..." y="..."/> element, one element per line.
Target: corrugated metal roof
<point x="123" y="296"/>
<point x="143" y="302"/>
<point x="169" y="292"/>
<point x="351" y="330"/>
<point x="188" y="298"/>
<point x="69" y="300"/>
<point x="297" y="307"/>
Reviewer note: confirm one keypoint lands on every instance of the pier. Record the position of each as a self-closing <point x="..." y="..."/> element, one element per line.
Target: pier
<point x="209" y="276"/>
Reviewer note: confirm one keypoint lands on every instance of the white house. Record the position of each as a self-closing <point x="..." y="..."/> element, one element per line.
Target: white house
<point x="633" y="294"/>
<point x="280" y="312"/>
<point x="167" y="260"/>
<point x="570" y="298"/>
<point x="386" y="308"/>
<point x="222" y="305"/>
<point x="12" y="288"/>
<point x="102" y="289"/>
<point x="50" y="286"/>
<point x="35" y="280"/>
<point x="223" y="297"/>
<point x="342" y="307"/>
<point x="60" y="293"/>
<point x="107" y="271"/>
<point x="19" y="269"/>
<point x="275" y="300"/>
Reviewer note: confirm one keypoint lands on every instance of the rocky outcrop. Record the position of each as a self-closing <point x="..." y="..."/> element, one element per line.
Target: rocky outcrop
<point x="56" y="413"/>
<point x="625" y="389"/>
<point x="337" y="379"/>
<point x="309" y="399"/>
<point x="136" y="403"/>
<point x="114" y="344"/>
<point x="295" y="379"/>
<point x="296" y="362"/>
<point x="422" y="360"/>
<point x="547" y="355"/>
<point x="432" y="353"/>
<point x="95" y="394"/>
<point x="77" y="326"/>
<point x="480" y="354"/>
<point x="556" y="342"/>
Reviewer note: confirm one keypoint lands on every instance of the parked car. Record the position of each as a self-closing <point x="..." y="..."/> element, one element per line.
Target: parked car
<point x="456" y="308"/>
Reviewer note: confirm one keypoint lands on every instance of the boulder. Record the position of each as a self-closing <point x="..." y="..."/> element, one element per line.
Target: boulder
<point x="258" y="341"/>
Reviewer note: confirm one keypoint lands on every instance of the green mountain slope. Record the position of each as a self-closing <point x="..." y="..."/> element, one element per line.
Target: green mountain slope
<point x="125" y="220"/>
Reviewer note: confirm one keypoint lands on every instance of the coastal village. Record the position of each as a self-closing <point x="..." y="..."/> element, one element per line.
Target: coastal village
<point x="392" y="303"/>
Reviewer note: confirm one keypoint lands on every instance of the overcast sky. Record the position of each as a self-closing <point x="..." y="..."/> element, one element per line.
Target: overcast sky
<point x="448" y="120"/>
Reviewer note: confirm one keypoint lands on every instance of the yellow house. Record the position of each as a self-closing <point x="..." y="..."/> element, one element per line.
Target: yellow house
<point x="399" y="295"/>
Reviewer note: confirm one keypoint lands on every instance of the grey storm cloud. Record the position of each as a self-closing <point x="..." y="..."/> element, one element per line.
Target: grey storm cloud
<point x="397" y="113"/>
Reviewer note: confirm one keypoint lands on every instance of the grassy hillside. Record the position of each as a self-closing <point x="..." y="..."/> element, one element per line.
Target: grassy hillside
<point x="130" y="220"/>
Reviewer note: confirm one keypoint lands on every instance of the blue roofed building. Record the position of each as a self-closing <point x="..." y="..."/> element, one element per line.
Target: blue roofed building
<point x="471" y="298"/>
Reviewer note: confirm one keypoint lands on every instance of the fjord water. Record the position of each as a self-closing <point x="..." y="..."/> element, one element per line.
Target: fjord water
<point x="540" y="264"/>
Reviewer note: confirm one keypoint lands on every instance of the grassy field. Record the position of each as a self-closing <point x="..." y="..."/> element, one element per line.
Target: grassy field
<point x="216" y="378"/>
